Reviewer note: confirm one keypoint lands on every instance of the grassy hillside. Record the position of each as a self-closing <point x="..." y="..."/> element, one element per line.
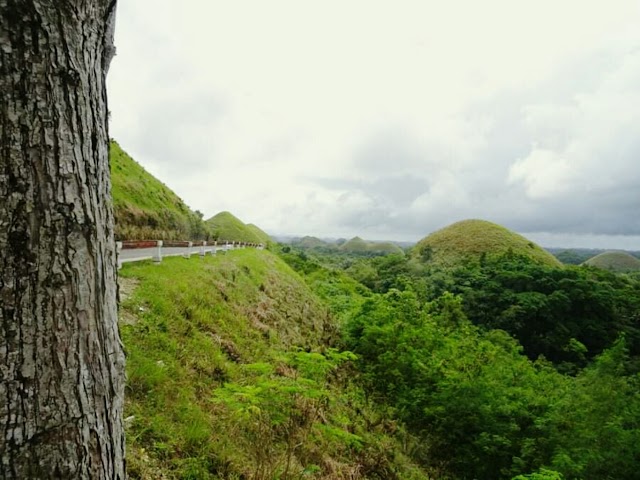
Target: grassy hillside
<point x="144" y="207"/>
<point x="615" y="261"/>
<point x="226" y="226"/>
<point x="471" y="239"/>
<point x="231" y="375"/>
<point x="261" y="234"/>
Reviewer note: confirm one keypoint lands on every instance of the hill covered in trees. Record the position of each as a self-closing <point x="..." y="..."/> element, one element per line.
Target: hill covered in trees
<point x="472" y="240"/>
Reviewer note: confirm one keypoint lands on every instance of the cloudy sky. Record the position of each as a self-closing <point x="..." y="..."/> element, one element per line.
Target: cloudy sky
<point x="389" y="118"/>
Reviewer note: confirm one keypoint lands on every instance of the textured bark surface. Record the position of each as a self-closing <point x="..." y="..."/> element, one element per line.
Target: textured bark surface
<point x="61" y="361"/>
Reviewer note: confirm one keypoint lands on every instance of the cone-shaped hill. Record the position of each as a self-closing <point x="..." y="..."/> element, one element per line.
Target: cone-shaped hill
<point x="468" y="240"/>
<point x="262" y="235"/>
<point x="356" y="244"/>
<point x="312" y="242"/>
<point x="615" y="261"/>
<point x="227" y="227"/>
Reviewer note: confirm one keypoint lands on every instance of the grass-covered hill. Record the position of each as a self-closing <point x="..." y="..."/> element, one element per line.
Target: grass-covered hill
<point x="261" y="234"/>
<point x="231" y="375"/>
<point x="359" y="246"/>
<point x="312" y="242"/>
<point x="469" y="240"/>
<point x="226" y="226"/>
<point x="144" y="207"/>
<point x="615" y="261"/>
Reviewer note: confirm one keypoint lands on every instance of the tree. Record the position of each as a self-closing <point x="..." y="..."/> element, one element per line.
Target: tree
<point x="61" y="360"/>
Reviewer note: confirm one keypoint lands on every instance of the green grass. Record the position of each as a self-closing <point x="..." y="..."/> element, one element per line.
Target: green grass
<point x="144" y="207"/>
<point x="469" y="240"/>
<point x="615" y="261"/>
<point x="261" y="234"/>
<point x="226" y="226"/>
<point x="231" y="375"/>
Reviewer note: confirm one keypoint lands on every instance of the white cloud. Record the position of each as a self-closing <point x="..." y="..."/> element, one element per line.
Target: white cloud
<point x="245" y="105"/>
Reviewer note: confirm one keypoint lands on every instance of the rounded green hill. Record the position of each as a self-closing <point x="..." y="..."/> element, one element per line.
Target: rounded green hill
<point x="469" y="240"/>
<point x="356" y="244"/>
<point x="615" y="261"/>
<point x="227" y="227"/>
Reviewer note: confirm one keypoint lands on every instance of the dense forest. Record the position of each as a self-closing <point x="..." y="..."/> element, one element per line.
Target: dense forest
<point x="501" y="368"/>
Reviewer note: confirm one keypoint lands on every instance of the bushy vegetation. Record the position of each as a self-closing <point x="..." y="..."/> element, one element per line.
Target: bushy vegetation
<point x="381" y="367"/>
<point x="233" y="373"/>
<point x="482" y="405"/>
<point x="481" y="409"/>
<point x="145" y="208"/>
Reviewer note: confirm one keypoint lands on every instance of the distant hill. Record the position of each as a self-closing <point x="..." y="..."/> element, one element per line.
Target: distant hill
<point x="312" y="242"/>
<point x="358" y="245"/>
<point x="470" y="239"/>
<point x="227" y="227"/>
<point x="615" y="261"/>
<point x="262" y="235"/>
<point x="144" y="207"/>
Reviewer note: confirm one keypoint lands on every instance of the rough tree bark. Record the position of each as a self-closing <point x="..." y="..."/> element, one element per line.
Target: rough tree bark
<point x="61" y="361"/>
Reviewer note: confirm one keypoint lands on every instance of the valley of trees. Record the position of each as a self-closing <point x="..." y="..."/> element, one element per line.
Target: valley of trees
<point x="502" y="368"/>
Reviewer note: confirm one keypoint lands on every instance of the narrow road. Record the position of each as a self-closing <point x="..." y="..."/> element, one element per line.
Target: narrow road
<point x="138" y="254"/>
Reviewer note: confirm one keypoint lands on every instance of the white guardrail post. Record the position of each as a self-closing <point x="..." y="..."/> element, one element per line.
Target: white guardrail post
<point x="118" y="252"/>
<point x="157" y="257"/>
<point x="187" y="254"/>
<point x="203" y="251"/>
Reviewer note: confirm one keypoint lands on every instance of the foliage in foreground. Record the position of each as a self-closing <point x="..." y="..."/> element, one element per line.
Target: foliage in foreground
<point x="482" y="409"/>
<point x="231" y="374"/>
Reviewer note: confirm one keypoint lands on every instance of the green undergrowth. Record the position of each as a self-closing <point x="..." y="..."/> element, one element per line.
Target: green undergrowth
<point x="234" y="373"/>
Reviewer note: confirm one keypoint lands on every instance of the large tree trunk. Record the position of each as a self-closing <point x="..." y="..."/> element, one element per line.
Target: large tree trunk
<point x="61" y="361"/>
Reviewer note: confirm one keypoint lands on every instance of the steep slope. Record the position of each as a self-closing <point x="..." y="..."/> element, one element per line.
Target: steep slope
<point x="231" y="375"/>
<point x="144" y="207"/>
<point x="469" y="240"/>
<point x="615" y="261"/>
<point x="261" y="234"/>
<point x="226" y="226"/>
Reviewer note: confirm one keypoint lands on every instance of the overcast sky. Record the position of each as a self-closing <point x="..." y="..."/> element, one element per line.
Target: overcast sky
<point x="389" y="119"/>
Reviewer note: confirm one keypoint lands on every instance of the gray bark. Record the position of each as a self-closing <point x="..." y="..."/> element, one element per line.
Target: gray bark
<point x="61" y="361"/>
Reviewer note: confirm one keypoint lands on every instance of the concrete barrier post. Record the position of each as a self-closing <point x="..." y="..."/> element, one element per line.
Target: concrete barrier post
<point x="157" y="257"/>
<point x="187" y="254"/>
<point x="203" y="251"/>
<point x="118" y="253"/>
